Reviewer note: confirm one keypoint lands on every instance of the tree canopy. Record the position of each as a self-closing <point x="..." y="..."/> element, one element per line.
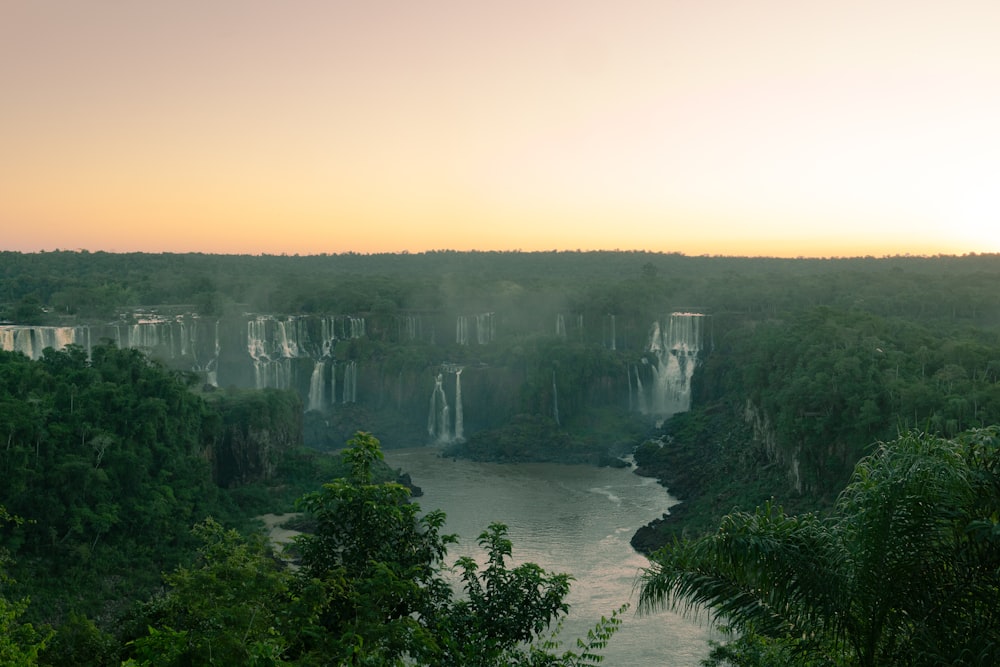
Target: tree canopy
<point x="905" y="571"/>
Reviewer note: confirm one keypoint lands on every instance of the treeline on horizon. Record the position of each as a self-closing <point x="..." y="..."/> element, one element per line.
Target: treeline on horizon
<point x="50" y="287"/>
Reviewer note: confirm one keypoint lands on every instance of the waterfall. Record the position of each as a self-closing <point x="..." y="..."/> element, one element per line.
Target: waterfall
<point x="409" y="328"/>
<point x="459" y="417"/>
<point x="640" y="392"/>
<point x="31" y="341"/>
<point x="212" y="367"/>
<point x="289" y="348"/>
<point x="357" y="327"/>
<point x="316" y="386"/>
<point x="257" y="337"/>
<point x="333" y="381"/>
<point x="560" y="326"/>
<point x="327" y="336"/>
<point x="675" y="349"/>
<point x="438" y="415"/>
<point x="352" y="327"/>
<point x="555" y="399"/>
<point x="462" y="330"/>
<point x="485" y="328"/>
<point x="350" y="382"/>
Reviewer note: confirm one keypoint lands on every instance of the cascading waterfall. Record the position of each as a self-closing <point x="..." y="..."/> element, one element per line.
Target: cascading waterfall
<point x="485" y="328"/>
<point x="438" y="428"/>
<point x="439" y="414"/>
<point x="31" y="341"/>
<point x="263" y="373"/>
<point x="317" y="384"/>
<point x="212" y="367"/>
<point x="410" y="328"/>
<point x="640" y="392"/>
<point x="352" y="327"/>
<point x="560" y="326"/>
<point x="288" y="347"/>
<point x="280" y="352"/>
<point x="333" y="382"/>
<point x="676" y="353"/>
<point x="257" y="337"/>
<point x="459" y="416"/>
<point x="350" y="391"/>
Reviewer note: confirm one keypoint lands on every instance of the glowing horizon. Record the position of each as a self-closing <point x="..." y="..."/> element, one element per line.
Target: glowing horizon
<point x="253" y="127"/>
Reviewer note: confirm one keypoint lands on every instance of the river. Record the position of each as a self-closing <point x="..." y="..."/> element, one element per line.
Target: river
<point x="575" y="519"/>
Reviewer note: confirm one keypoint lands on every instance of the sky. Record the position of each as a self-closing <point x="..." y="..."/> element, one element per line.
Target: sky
<point x="707" y="127"/>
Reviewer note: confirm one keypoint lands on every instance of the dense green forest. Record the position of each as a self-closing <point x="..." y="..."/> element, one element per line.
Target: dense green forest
<point x="109" y="460"/>
<point x="117" y="470"/>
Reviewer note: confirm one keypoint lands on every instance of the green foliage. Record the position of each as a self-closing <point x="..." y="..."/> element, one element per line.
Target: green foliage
<point x="372" y="589"/>
<point x="905" y="572"/>
<point x="79" y="642"/>
<point x="378" y="560"/>
<point x="105" y="458"/>
<point x="20" y="642"/>
<point x="504" y="609"/>
<point x="234" y="607"/>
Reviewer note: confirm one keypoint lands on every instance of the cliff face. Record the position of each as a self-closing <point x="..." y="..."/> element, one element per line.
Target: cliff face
<point x="251" y="430"/>
<point x="765" y="436"/>
<point x="414" y="379"/>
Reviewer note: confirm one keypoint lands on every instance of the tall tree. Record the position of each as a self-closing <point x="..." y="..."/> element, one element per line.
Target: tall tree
<point x="905" y="572"/>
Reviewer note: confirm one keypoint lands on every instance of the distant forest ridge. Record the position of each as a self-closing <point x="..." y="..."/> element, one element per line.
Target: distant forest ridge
<point x="38" y="287"/>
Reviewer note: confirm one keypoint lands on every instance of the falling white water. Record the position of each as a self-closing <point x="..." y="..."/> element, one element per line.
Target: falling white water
<point x="459" y="416"/>
<point x="350" y="382"/>
<point x="676" y="352"/>
<point x="288" y="347"/>
<point x="31" y="341"/>
<point x="333" y="381"/>
<point x="438" y="428"/>
<point x="561" y="326"/>
<point x="640" y="392"/>
<point x="485" y="328"/>
<point x="317" y="400"/>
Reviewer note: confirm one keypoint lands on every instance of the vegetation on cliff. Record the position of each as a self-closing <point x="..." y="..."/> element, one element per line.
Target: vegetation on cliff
<point x="904" y="571"/>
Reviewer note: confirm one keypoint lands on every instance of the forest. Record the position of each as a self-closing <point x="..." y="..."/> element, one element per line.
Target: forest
<point x="119" y="466"/>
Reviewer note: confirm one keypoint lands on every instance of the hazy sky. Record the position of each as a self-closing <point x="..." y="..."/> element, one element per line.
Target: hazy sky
<point x="764" y="127"/>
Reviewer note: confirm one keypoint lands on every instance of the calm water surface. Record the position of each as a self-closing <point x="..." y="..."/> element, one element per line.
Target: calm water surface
<point x="567" y="518"/>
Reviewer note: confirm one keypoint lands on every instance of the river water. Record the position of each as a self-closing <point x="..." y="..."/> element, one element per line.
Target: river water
<point x="575" y="519"/>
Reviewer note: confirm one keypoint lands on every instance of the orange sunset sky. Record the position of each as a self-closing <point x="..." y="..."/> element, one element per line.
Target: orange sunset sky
<point x="772" y="127"/>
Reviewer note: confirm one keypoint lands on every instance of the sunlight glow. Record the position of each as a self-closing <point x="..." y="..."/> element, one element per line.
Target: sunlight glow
<point x="776" y="128"/>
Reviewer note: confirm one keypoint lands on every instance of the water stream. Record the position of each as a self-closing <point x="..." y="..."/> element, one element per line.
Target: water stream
<point x="567" y="518"/>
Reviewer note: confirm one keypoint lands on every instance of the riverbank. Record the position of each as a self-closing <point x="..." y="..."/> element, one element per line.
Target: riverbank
<point x="708" y="459"/>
